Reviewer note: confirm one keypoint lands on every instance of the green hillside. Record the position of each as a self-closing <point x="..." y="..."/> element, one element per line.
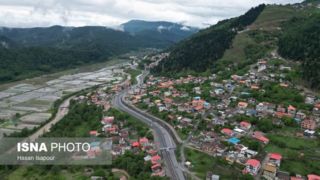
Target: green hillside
<point x="200" y="52"/>
<point x="229" y="47"/>
<point x="28" y="52"/>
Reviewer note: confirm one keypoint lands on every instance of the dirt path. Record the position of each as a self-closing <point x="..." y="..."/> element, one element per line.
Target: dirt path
<point x="62" y="111"/>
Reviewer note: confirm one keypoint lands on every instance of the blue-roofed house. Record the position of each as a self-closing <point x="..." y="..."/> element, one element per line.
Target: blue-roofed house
<point x="234" y="140"/>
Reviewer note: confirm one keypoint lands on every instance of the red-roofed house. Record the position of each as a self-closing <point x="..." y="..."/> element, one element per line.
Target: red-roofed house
<point x="252" y="167"/>
<point x="242" y="105"/>
<point x="275" y="158"/>
<point x="156" y="159"/>
<point x="93" y="133"/>
<point x="107" y="120"/>
<point x="156" y="167"/>
<point x="260" y="137"/>
<point x="144" y="141"/>
<point x="282" y="114"/>
<point x="135" y="144"/>
<point x="292" y="110"/>
<point x="313" y="177"/>
<point x="227" y="131"/>
<point x="245" y="125"/>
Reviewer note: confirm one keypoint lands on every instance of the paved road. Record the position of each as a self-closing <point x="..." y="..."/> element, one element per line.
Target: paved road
<point x="162" y="136"/>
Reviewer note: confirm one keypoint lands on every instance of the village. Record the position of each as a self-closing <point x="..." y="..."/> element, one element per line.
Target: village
<point x="125" y="134"/>
<point x="246" y="119"/>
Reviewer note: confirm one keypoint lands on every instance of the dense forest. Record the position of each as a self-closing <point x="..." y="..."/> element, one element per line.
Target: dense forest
<point x="301" y="41"/>
<point x="200" y="52"/>
<point x="28" y="52"/>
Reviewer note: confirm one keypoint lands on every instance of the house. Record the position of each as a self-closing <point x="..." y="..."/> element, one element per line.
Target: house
<point x="313" y="177"/>
<point x="156" y="167"/>
<point x="251" y="112"/>
<point x="168" y="100"/>
<point x="309" y="133"/>
<point x="261" y="107"/>
<point x="300" y="115"/>
<point x="229" y="87"/>
<point x="219" y="91"/>
<point x="227" y="131"/>
<point x="260" y="137"/>
<point x="252" y="167"/>
<point x="242" y="105"/>
<point x="162" y="108"/>
<point x="93" y="133"/>
<point x="111" y="130"/>
<point x="316" y="109"/>
<point x="198" y="102"/>
<point x="144" y="141"/>
<point x="167" y="93"/>
<point x="185" y="121"/>
<point x="254" y="87"/>
<point x="269" y="171"/>
<point x="262" y="65"/>
<point x="285" y="68"/>
<point x="107" y="120"/>
<point x="238" y="131"/>
<point x="234" y="140"/>
<point x="275" y="158"/>
<point x="197" y="90"/>
<point x="245" y="125"/>
<point x="135" y="144"/>
<point x="310" y="100"/>
<point x="156" y="159"/>
<point x="292" y="110"/>
<point x="308" y="124"/>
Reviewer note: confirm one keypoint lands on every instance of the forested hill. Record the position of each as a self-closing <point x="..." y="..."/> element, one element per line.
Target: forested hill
<point x="301" y="41"/>
<point x="199" y="52"/>
<point x="293" y="30"/>
<point x="27" y="52"/>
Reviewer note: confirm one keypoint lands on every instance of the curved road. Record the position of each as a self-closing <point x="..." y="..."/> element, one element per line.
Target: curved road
<point x="166" y="142"/>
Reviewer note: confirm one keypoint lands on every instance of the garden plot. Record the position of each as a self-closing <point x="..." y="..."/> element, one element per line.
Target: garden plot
<point x="34" y="105"/>
<point x="35" y="118"/>
<point x="9" y="113"/>
<point x="4" y="94"/>
<point x="20" y="88"/>
<point x="21" y="126"/>
<point x="4" y="131"/>
<point x="26" y="97"/>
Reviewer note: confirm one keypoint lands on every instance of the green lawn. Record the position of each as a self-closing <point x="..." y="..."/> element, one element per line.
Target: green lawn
<point x="202" y="163"/>
<point x="272" y="16"/>
<point x="300" y="155"/>
<point x="33" y="173"/>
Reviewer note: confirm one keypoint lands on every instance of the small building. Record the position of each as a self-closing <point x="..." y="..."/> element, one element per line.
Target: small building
<point x="156" y="159"/>
<point x="227" y="131"/>
<point x="269" y="171"/>
<point x="242" y="105"/>
<point x="313" y="177"/>
<point x="252" y="167"/>
<point x="245" y="125"/>
<point x="260" y="137"/>
<point x="275" y="158"/>
<point x="234" y="140"/>
<point x="308" y="124"/>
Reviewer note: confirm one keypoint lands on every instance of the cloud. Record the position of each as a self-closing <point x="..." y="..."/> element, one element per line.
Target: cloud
<point x="31" y="13"/>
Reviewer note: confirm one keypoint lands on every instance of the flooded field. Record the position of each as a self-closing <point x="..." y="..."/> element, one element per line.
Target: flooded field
<point x="27" y="104"/>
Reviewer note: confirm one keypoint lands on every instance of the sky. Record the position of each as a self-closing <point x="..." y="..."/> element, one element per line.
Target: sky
<point x="111" y="13"/>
